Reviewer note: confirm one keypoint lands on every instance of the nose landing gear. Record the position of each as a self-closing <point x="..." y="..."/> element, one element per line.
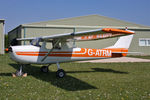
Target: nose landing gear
<point x="20" y="72"/>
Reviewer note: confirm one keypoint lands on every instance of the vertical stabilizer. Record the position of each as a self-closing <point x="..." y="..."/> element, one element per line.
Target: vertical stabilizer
<point x="123" y="42"/>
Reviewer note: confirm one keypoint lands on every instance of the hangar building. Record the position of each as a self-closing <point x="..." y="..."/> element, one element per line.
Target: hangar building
<point x="2" y="36"/>
<point x="140" y="43"/>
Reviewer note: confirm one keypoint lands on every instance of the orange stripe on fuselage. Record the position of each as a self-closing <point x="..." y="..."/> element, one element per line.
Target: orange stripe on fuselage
<point x="84" y="52"/>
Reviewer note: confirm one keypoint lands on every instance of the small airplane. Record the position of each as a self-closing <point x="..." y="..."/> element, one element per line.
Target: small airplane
<point x="38" y="53"/>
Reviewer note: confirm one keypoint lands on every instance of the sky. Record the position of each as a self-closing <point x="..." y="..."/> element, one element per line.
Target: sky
<point x="16" y="12"/>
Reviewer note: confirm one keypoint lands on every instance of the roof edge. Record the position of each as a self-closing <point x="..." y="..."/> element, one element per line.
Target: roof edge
<point x="73" y="26"/>
<point x="2" y="20"/>
<point x="15" y="28"/>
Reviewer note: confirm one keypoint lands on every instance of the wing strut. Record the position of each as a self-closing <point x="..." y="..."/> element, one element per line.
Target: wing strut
<point x="50" y="50"/>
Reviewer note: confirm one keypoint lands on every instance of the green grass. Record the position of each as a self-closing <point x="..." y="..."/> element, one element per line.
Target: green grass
<point x="84" y="81"/>
<point x="138" y="56"/>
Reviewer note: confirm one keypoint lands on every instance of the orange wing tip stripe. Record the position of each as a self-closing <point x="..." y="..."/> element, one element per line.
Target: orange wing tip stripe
<point x="111" y="30"/>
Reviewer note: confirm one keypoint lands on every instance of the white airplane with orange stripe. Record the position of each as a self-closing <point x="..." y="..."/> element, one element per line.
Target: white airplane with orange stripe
<point x="61" y="52"/>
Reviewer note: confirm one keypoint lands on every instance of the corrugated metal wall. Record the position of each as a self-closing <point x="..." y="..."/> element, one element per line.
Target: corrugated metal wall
<point x="135" y="43"/>
<point x="16" y="33"/>
<point x="2" y="38"/>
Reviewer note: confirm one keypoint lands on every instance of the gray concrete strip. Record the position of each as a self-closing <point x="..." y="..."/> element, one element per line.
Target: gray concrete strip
<point x="115" y="60"/>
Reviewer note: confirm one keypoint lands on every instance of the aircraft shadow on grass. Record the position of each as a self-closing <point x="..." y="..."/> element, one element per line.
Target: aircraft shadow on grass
<point x="68" y="83"/>
<point x="99" y="70"/>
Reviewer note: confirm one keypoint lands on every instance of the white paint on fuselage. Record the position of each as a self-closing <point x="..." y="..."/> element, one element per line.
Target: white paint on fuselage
<point x="37" y="59"/>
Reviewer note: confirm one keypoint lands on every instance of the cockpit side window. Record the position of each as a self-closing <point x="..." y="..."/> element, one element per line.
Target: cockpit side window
<point x="36" y="42"/>
<point x="58" y="46"/>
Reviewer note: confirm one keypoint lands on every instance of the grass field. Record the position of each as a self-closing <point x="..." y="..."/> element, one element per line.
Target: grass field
<point x="84" y="81"/>
<point x="137" y="56"/>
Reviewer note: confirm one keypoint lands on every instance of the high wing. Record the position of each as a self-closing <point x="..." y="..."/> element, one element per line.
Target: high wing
<point x="84" y="35"/>
<point x="80" y="36"/>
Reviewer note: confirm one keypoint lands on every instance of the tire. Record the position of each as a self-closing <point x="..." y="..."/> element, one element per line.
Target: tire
<point x="60" y="73"/>
<point x="44" y="69"/>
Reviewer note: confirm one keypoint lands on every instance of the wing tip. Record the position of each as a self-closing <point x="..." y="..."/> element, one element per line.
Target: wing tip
<point x="113" y="30"/>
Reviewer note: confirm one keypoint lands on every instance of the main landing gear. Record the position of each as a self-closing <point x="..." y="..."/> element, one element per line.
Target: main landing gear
<point x="60" y="72"/>
<point x="44" y="69"/>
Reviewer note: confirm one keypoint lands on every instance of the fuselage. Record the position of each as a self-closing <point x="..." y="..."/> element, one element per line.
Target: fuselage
<point x="30" y="54"/>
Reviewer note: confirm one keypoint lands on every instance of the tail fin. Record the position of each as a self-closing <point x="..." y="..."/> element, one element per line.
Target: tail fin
<point x="123" y="42"/>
